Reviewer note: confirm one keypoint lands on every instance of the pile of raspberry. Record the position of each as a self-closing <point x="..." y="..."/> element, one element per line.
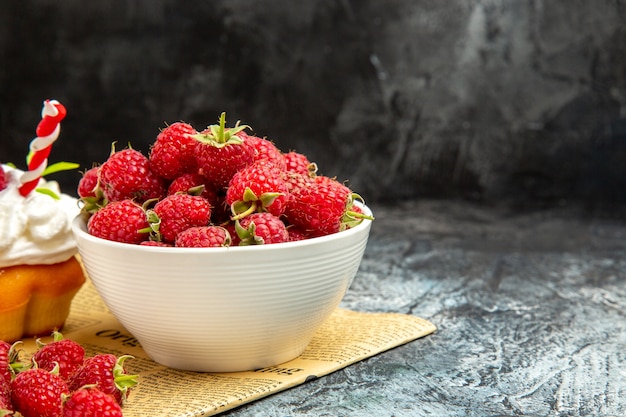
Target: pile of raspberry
<point x="213" y="188"/>
<point x="60" y="380"/>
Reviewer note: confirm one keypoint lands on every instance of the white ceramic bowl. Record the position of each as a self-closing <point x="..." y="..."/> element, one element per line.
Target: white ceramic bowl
<point x="223" y="309"/>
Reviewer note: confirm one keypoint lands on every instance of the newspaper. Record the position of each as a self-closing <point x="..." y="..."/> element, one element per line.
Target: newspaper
<point x="345" y="338"/>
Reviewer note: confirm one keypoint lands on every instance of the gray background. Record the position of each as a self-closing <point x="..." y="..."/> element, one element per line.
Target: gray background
<point x="489" y="100"/>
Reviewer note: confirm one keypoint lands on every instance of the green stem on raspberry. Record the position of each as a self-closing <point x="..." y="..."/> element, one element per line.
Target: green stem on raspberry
<point x="248" y="236"/>
<point x="241" y="209"/>
<point x="219" y="135"/>
<point x="16" y="366"/>
<point x="154" y="225"/>
<point x="352" y="218"/>
<point x="123" y="381"/>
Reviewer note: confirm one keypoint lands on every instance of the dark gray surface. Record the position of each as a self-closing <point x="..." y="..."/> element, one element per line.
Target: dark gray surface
<point x="530" y="310"/>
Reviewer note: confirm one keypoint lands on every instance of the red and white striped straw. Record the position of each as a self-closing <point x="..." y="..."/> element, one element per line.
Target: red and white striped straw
<point x="47" y="132"/>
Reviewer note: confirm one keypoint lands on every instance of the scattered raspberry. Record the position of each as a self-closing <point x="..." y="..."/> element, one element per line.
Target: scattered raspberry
<point x="5" y="362"/>
<point x="126" y="175"/>
<point x="97" y="388"/>
<point x="91" y="402"/>
<point x="37" y="392"/>
<point x="67" y="354"/>
<point x="173" y="151"/>
<point x="5" y="396"/>
<point x="262" y="229"/>
<point x="120" y="221"/>
<point x="107" y="373"/>
<point x="203" y="237"/>
<point x="178" y="212"/>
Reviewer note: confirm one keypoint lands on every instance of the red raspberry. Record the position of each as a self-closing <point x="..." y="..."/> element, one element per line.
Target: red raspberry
<point x="261" y="229"/>
<point x="37" y="392"/>
<point x="220" y="153"/>
<point x="5" y="361"/>
<point x="297" y="162"/>
<point x="265" y="149"/>
<point x="120" y="221"/>
<point x="5" y="396"/>
<point x="178" y="212"/>
<point x="203" y="237"/>
<point x="155" y="243"/>
<point x="91" y="402"/>
<point x="88" y="183"/>
<point x="296" y="180"/>
<point x="321" y="206"/>
<point x="3" y="179"/>
<point x="296" y="233"/>
<point x="107" y="373"/>
<point x="172" y="153"/>
<point x="89" y="191"/>
<point x="257" y="187"/>
<point x="189" y="183"/>
<point x="65" y="353"/>
<point x="126" y="175"/>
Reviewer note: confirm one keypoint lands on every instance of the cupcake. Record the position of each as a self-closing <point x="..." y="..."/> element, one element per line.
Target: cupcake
<point x="39" y="273"/>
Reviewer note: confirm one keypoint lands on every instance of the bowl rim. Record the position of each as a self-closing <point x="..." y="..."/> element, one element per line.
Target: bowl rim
<point x="79" y="228"/>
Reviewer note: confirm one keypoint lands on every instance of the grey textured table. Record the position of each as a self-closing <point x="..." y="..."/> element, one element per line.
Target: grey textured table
<point x="530" y="309"/>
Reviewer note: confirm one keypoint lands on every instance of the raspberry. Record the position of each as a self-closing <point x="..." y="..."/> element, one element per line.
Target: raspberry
<point x="265" y="149"/>
<point x="178" y="212"/>
<point x="126" y="175"/>
<point x="172" y="153"/>
<point x="190" y="183"/>
<point x="155" y="243"/>
<point x="261" y="229"/>
<point x="88" y="183"/>
<point x="65" y="353"/>
<point x="5" y="396"/>
<point x="220" y="153"/>
<point x="296" y="233"/>
<point x="37" y="392"/>
<point x="107" y="373"/>
<point x="319" y="206"/>
<point x="3" y="179"/>
<point x="6" y="352"/>
<point x="120" y="221"/>
<point x="89" y="191"/>
<point x="297" y="162"/>
<point x="296" y="180"/>
<point x="258" y="187"/>
<point x="91" y="402"/>
<point x="203" y="237"/>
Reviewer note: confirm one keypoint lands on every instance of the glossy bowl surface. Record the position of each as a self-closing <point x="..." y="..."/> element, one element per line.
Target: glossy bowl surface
<point x="223" y="309"/>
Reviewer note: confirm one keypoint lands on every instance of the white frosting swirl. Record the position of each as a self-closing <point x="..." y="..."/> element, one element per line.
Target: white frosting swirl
<point x="35" y="229"/>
